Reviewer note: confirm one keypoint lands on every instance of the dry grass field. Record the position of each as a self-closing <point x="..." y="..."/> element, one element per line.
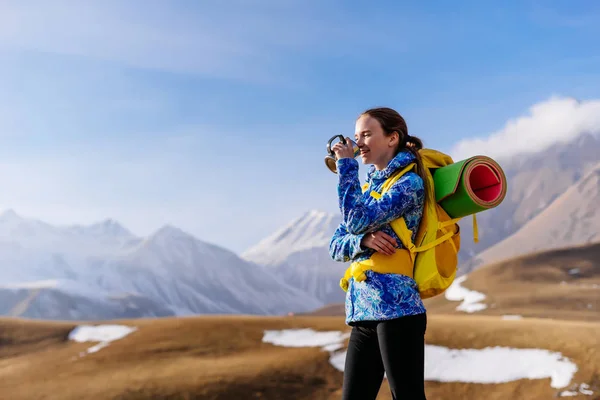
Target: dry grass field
<point x="187" y="358"/>
<point x="561" y="284"/>
<point x="224" y="357"/>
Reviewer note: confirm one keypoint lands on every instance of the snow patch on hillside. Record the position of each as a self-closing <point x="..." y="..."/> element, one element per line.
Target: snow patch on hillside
<point x="104" y="334"/>
<point x="470" y="299"/>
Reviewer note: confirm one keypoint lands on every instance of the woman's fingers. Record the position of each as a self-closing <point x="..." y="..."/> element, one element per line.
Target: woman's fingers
<point x="385" y="243"/>
<point x="378" y="248"/>
<point x="389" y="239"/>
<point x="380" y="242"/>
<point x="388" y="248"/>
<point x="375" y="244"/>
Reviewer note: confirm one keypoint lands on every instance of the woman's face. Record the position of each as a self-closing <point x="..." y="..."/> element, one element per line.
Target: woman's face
<point x="375" y="147"/>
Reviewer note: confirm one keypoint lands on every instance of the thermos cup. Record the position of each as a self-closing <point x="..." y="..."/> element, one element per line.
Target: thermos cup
<point x="330" y="158"/>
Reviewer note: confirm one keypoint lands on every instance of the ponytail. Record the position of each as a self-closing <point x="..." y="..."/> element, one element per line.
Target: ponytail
<point x="414" y="144"/>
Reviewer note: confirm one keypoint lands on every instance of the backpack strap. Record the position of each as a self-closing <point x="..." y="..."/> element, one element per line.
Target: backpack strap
<point x="389" y="182"/>
<point x="399" y="225"/>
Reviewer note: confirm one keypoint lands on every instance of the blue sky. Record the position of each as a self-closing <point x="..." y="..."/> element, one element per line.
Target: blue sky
<point x="213" y="115"/>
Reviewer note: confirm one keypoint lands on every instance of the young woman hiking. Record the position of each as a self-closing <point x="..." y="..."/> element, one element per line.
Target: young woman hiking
<point x="386" y="313"/>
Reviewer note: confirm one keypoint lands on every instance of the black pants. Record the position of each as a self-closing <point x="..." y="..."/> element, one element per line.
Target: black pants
<point x="396" y="347"/>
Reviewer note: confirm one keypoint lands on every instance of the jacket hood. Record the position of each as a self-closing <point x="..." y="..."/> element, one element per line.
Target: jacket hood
<point x="401" y="160"/>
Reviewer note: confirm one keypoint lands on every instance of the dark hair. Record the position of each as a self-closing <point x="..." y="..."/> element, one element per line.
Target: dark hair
<point x="391" y="121"/>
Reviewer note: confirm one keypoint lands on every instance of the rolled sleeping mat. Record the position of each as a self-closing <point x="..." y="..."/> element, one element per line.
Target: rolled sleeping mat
<point x="469" y="186"/>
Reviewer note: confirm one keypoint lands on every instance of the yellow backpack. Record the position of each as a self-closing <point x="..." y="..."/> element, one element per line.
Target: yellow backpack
<point x="432" y="260"/>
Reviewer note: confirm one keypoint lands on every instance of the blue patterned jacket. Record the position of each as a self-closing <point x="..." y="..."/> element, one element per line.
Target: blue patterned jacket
<point x="380" y="296"/>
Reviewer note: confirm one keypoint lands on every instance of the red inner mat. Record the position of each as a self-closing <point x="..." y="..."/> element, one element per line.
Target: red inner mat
<point x="485" y="183"/>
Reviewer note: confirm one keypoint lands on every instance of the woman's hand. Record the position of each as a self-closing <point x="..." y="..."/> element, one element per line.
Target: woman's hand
<point x="342" y="150"/>
<point x="380" y="241"/>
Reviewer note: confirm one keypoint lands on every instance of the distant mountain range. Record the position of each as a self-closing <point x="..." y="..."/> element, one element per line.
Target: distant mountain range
<point x="103" y="271"/>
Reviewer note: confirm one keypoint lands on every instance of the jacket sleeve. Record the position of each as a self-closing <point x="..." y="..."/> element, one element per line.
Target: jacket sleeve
<point x="406" y="193"/>
<point x="345" y="246"/>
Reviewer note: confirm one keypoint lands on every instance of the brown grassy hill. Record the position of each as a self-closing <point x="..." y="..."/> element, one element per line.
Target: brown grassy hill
<point x="188" y="358"/>
<point x="562" y="284"/>
<point x="225" y="358"/>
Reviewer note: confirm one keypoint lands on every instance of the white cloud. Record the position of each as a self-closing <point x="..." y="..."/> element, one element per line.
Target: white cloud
<point x="559" y="119"/>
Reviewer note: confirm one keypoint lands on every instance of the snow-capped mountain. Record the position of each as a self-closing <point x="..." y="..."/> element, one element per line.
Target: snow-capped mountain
<point x="177" y="269"/>
<point x="101" y="238"/>
<point x="299" y="254"/>
<point x="66" y="272"/>
<point x="311" y="230"/>
<point x="108" y="229"/>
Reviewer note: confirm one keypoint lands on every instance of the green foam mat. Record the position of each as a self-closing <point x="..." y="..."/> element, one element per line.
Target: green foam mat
<point x="469" y="186"/>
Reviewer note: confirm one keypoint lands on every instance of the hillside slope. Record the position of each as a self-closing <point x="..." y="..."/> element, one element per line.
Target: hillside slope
<point x="557" y="284"/>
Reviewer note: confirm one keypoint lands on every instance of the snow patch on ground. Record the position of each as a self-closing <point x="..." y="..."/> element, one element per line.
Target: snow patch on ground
<point x="470" y="298"/>
<point x="104" y="334"/>
<point x="330" y="341"/>
<point x="583" y="388"/>
<point x="497" y="365"/>
<point x="304" y="338"/>
<point x="442" y="364"/>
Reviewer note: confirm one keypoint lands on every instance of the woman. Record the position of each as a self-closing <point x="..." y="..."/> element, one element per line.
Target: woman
<point x="386" y="313"/>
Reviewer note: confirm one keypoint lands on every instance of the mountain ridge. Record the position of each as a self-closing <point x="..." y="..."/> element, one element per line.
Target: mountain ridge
<point x="169" y="272"/>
